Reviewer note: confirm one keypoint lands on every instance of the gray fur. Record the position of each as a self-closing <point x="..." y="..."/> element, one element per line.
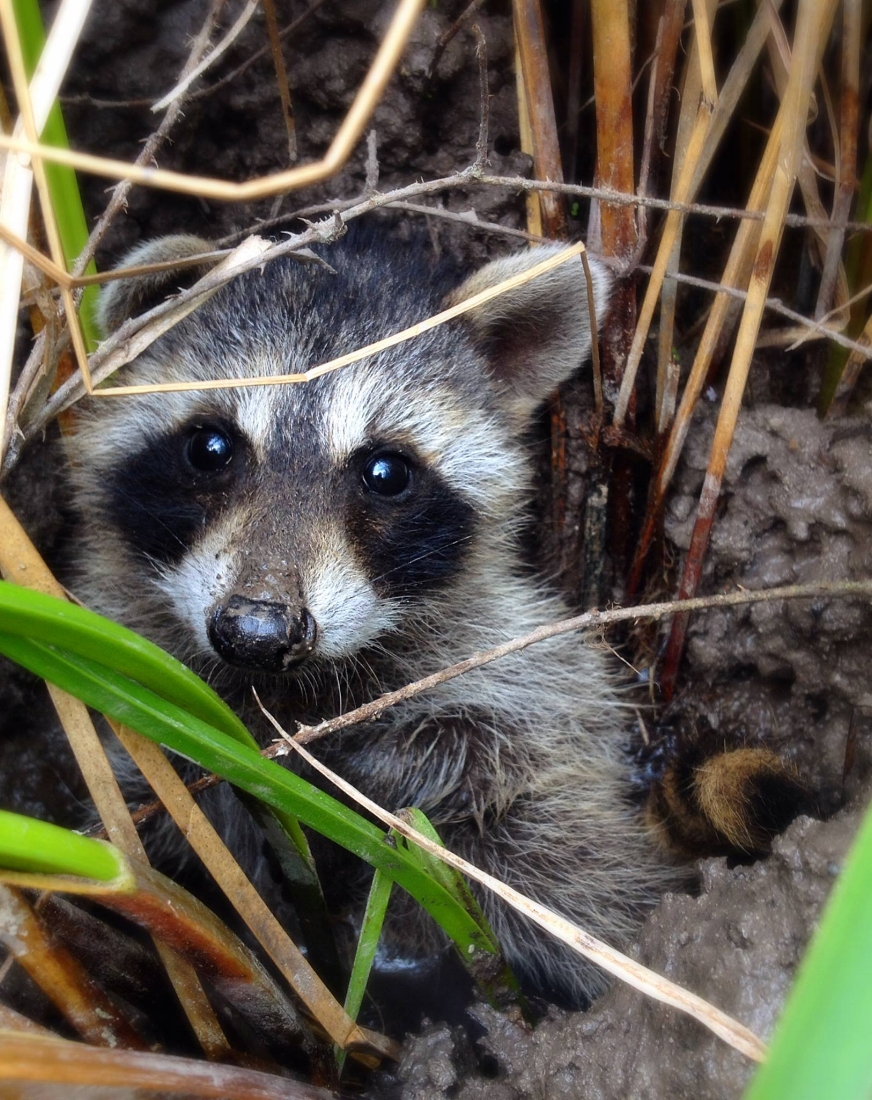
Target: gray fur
<point x="520" y="765"/>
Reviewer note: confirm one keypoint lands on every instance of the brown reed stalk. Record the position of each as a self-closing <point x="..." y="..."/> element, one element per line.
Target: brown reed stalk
<point x="814" y="18"/>
<point x="19" y="562"/>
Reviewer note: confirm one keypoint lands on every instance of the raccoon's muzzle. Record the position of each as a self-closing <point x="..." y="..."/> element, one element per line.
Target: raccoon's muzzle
<point x="261" y="635"/>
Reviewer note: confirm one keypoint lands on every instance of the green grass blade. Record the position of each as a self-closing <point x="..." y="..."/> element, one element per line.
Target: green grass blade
<point x="449" y="876"/>
<point x="488" y="968"/>
<point x="367" y="943"/>
<point x="62" y="183"/>
<point x="37" y="847"/>
<point x="54" y="621"/>
<point x="129" y="702"/>
<point x="822" y="1046"/>
<point x="59" y="622"/>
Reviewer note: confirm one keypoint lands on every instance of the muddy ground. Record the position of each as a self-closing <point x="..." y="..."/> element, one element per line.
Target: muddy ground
<point x="796" y="508"/>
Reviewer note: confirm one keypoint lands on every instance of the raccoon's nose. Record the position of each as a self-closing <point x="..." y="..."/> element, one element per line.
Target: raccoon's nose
<point x="260" y="635"/>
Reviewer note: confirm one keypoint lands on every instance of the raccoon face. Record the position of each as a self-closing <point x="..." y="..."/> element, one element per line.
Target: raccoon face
<point x="277" y="526"/>
<point x="275" y="548"/>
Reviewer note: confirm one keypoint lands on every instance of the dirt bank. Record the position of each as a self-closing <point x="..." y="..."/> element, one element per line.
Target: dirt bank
<point x="737" y="945"/>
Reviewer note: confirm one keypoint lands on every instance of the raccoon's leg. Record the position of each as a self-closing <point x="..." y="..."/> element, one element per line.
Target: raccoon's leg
<point x="725" y="801"/>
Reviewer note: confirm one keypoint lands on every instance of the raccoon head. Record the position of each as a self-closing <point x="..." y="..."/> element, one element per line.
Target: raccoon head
<point x="272" y="526"/>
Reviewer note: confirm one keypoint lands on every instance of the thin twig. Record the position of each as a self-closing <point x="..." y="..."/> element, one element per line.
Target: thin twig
<point x="71" y="390"/>
<point x="589" y="621"/>
<point x="210" y="89"/>
<point x="340" y="149"/>
<point x="458" y="23"/>
<point x="847" y="148"/>
<point x="819" y="328"/>
<point x="260" y="251"/>
<point x="648" y="135"/>
<point x="484" y="97"/>
<point x="73" y="1069"/>
<point x="133" y="337"/>
<point x="372" y="169"/>
<point x="626" y="198"/>
<point x="374" y="83"/>
<point x="275" y="44"/>
<point x="151" y="147"/>
<point x="470" y="219"/>
<point x="225" y="43"/>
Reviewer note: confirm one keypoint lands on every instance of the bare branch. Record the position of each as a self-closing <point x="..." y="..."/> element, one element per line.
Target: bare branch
<point x="458" y="23"/>
<point x="484" y="96"/>
<point x="590" y="620"/>
<point x="275" y="43"/>
<point x="372" y="171"/>
<point x="257" y="55"/>
<point x="225" y="43"/>
<point x="151" y="147"/>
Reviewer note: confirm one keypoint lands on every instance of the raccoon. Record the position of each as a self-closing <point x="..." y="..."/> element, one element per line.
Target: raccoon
<point x="330" y="541"/>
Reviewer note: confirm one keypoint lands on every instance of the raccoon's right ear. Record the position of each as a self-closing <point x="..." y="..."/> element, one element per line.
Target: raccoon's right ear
<point x="538" y="334"/>
<point x="127" y="298"/>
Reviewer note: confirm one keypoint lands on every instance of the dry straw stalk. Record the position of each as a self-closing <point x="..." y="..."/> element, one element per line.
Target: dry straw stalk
<point x="20" y="563"/>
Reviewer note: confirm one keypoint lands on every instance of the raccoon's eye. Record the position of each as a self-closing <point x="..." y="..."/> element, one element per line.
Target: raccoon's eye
<point x="209" y="449"/>
<point x="387" y="474"/>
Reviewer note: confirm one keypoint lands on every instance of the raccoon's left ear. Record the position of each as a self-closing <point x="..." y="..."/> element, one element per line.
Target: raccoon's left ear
<point x="125" y="298"/>
<point x="538" y="334"/>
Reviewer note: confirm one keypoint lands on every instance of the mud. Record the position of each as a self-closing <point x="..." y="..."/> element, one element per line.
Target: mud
<point x="426" y="126"/>
<point x="796" y="508"/>
<point x="736" y="945"/>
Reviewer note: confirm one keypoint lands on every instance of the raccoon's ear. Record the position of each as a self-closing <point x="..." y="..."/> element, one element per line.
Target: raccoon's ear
<point x="127" y="298"/>
<point x="536" y="335"/>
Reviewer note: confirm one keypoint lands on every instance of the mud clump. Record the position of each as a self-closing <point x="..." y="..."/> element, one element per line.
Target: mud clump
<point x="796" y="509"/>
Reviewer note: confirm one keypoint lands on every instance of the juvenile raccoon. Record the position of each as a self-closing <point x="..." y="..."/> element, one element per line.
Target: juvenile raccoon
<point x="334" y="540"/>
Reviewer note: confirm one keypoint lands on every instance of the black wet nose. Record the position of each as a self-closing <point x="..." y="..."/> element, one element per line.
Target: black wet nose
<point x="260" y="635"/>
